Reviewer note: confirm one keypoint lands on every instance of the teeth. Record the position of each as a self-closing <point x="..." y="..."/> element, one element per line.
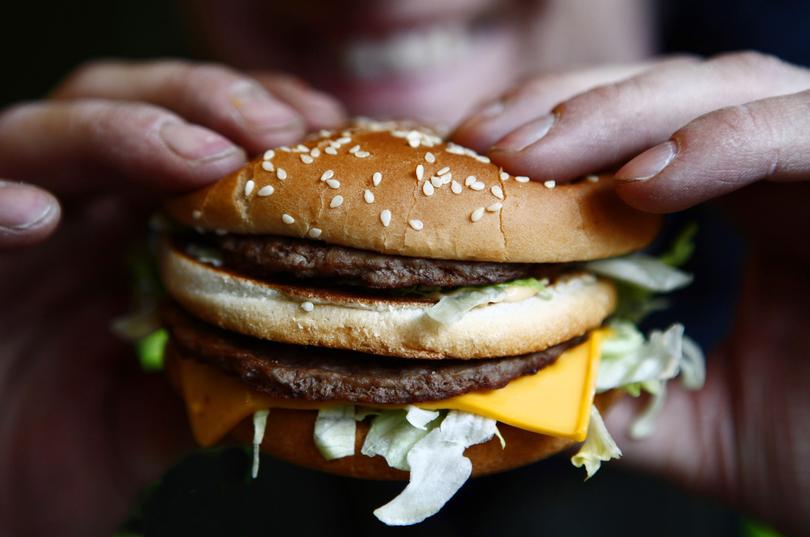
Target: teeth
<point x="407" y="52"/>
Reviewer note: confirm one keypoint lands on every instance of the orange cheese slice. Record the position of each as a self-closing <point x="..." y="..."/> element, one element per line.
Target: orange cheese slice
<point x="555" y="401"/>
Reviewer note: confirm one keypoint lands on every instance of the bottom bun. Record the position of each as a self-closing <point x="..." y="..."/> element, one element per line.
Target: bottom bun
<point x="295" y="445"/>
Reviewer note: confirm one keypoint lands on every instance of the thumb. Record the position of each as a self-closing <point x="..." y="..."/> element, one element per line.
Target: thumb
<point x="28" y="214"/>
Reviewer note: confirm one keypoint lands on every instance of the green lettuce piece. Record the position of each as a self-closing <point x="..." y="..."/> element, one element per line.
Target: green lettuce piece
<point x="641" y="270"/>
<point x="454" y="305"/>
<point x="682" y="247"/>
<point x="599" y="446"/>
<point x="438" y="468"/>
<point x="392" y="435"/>
<point x="151" y="349"/>
<point x="334" y="432"/>
<point x="259" y="425"/>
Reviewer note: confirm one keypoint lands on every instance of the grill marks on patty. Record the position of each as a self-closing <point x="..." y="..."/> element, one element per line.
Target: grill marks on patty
<point x="319" y="374"/>
<point x="267" y="256"/>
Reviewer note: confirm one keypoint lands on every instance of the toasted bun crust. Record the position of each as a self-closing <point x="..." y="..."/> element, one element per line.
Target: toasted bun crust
<point x="489" y="219"/>
<point x="577" y="303"/>
<point x="293" y="443"/>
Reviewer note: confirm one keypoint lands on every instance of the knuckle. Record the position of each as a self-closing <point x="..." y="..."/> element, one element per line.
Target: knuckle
<point x="80" y="77"/>
<point x="103" y="118"/>
<point x="752" y="61"/>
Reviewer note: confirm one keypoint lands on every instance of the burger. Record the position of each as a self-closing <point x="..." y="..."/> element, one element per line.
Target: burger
<point x="381" y="303"/>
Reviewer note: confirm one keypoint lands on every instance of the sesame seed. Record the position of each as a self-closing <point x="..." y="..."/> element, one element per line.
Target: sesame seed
<point x="478" y="185"/>
<point x="284" y="148"/>
<point x="314" y="232"/>
<point x="269" y="154"/>
<point x="333" y="183"/>
<point x="302" y="148"/>
<point x="455" y="149"/>
<point x="307" y="306"/>
<point x="593" y="178"/>
<point x="315" y="153"/>
<point x="497" y="191"/>
<point x="436" y="181"/>
<point x="416" y="224"/>
<point x="470" y="180"/>
<point x="376" y="179"/>
<point x="196" y="214"/>
<point x="385" y="217"/>
<point x="325" y="133"/>
<point x="504" y="176"/>
<point x="477" y="214"/>
<point x="306" y="159"/>
<point x="267" y="166"/>
<point x="413" y="142"/>
<point x="344" y="140"/>
<point x="482" y="158"/>
<point x="420" y="172"/>
<point x="368" y="195"/>
<point x="446" y="178"/>
<point x="328" y="174"/>
<point x="331" y="150"/>
<point x="443" y="170"/>
<point x="265" y="191"/>
<point x="427" y="188"/>
<point x="362" y="154"/>
<point x="336" y="202"/>
<point x="522" y="179"/>
<point x="249" y="186"/>
<point x="281" y="174"/>
<point x="550" y="184"/>
<point x="495" y="207"/>
<point x="287" y="219"/>
<point x="430" y="157"/>
<point x="354" y="149"/>
<point x="456" y="187"/>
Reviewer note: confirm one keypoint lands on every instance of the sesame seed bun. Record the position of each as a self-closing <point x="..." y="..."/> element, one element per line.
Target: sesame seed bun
<point x="576" y="303"/>
<point x="291" y="441"/>
<point x="407" y="192"/>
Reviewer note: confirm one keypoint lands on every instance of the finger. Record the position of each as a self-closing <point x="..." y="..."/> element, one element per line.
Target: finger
<point x="532" y="98"/>
<point x="28" y="215"/>
<point x="612" y="123"/>
<point x="319" y="110"/>
<point x="73" y="147"/>
<point x="210" y="95"/>
<point x="722" y="152"/>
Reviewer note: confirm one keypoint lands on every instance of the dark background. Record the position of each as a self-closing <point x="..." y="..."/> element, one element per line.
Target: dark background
<point x="209" y="493"/>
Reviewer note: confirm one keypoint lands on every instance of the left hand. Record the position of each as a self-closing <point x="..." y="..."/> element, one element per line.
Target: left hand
<point x="737" y="120"/>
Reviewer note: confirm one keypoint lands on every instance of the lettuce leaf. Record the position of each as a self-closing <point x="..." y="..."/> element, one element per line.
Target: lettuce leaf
<point x="599" y="446"/>
<point x="151" y="349"/>
<point x="643" y="271"/>
<point x="438" y="468"/>
<point x="259" y="424"/>
<point x="454" y="305"/>
<point x="334" y="432"/>
<point x="392" y="435"/>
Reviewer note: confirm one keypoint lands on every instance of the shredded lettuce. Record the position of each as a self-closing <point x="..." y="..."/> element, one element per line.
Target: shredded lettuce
<point x="334" y="432"/>
<point x="682" y="247"/>
<point x="452" y="306"/>
<point x="438" y="468"/>
<point x="642" y="271"/>
<point x="392" y="435"/>
<point x="151" y="350"/>
<point x="259" y="425"/>
<point x="635" y="365"/>
<point x="599" y="446"/>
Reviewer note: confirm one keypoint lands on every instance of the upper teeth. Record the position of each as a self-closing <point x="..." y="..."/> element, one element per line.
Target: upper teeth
<point x="407" y="51"/>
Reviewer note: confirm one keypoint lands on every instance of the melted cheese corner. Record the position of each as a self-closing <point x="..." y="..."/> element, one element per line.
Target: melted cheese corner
<point x="555" y="401"/>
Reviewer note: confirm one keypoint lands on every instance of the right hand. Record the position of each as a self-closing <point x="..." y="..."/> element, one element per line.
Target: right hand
<point x="83" y="430"/>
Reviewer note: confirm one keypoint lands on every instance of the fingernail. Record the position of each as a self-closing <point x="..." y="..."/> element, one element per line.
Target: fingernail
<point x="526" y="135"/>
<point x="23" y="207"/>
<point x="648" y="164"/>
<point x="258" y="112"/>
<point x="195" y="143"/>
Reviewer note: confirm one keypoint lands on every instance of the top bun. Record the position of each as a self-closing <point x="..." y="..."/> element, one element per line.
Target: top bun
<point x="405" y="191"/>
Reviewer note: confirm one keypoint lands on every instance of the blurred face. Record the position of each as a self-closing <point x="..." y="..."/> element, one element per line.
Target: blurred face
<point x="426" y="59"/>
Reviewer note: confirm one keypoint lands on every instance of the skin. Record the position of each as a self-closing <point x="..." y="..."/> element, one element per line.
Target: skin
<point x="116" y="136"/>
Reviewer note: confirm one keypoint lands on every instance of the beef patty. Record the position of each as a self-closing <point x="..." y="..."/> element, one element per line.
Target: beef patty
<point x="266" y="256"/>
<point x="319" y="374"/>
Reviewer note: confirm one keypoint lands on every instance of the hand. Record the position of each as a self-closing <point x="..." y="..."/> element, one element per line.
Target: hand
<point x="741" y="127"/>
<point x="83" y="430"/>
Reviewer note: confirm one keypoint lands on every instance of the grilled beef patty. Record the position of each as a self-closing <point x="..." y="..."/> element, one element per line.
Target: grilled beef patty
<point x="320" y="374"/>
<point x="267" y="256"/>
